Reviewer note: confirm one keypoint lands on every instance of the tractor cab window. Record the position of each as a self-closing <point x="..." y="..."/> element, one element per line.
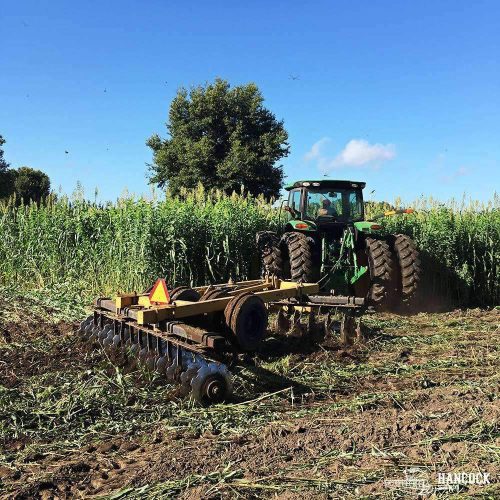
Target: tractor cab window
<point x="355" y="205"/>
<point x="341" y="205"/>
<point x="294" y="200"/>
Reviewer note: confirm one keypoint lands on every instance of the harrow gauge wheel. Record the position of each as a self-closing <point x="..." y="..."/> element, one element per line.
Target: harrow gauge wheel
<point x="184" y="293"/>
<point x="214" y="293"/>
<point x="246" y="318"/>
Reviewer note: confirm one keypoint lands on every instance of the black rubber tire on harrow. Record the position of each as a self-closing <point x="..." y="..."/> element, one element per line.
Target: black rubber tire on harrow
<point x="246" y="318"/>
<point x="184" y="293"/>
<point x="378" y="286"/>
<point x="214" y="293"/>
<point x="271" y="259"/>
<point x="408" y="259"/>
<point x="297" y="247"/>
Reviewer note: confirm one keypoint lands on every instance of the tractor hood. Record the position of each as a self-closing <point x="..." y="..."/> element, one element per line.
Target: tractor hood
<point x="327" y="184"/>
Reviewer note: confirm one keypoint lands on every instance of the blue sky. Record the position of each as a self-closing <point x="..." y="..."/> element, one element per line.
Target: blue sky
<point x="404" y="95"/>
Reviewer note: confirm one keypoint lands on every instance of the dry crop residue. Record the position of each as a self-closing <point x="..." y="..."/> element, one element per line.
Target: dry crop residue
<point x="421" y="392"/>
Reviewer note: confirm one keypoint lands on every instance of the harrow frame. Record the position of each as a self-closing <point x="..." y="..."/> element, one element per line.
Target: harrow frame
<point x="175" y="339"/>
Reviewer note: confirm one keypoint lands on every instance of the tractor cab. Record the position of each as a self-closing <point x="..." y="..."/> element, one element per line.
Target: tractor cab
<point x="325" y="204"/>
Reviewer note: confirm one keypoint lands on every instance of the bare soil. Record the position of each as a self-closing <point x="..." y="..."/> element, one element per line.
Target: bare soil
<point x="420" y="392"/>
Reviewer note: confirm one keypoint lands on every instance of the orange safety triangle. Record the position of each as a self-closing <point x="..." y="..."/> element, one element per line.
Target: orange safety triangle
<point x="159" y="294"/>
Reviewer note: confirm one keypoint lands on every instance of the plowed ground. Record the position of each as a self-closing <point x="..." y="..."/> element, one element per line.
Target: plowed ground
<point x="310" y="418"/>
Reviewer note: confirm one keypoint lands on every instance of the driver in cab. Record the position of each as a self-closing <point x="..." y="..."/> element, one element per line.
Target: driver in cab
<point x="326" y="209"/>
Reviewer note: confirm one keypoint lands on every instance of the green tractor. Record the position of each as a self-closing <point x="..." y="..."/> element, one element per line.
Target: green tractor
<point x="326" y="239"/>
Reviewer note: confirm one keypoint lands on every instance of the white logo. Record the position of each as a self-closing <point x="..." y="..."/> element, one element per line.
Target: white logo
<point x="415" y="481"/>
<point x="481" y="478"/>
<point x="418" y="481"/>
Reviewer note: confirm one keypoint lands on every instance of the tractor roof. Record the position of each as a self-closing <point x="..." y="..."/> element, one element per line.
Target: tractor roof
<point x="329" y="183"/>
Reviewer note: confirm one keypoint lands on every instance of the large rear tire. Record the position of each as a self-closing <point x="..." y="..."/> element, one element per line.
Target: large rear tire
<point x="378" y="285"/>
<point x="408" y="259"/>
<point x="270" y="253"/>
<point x="299" y="265"/>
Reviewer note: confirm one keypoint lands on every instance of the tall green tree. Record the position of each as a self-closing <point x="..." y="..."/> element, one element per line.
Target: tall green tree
<point x="6" y="174"/>
<point x="31" y="184"/>
<point x="222" y="137"/>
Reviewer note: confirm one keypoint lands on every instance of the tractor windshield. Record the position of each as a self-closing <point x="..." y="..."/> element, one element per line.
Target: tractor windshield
<point x="335" y="204"/>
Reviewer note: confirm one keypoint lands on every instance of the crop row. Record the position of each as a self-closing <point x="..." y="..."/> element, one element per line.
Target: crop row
<point x="204" y="237"/>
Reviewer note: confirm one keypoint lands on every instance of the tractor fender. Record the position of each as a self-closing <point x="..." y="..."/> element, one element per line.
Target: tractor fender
<point x="367" y="227"/>
<point x="301" y="226"/>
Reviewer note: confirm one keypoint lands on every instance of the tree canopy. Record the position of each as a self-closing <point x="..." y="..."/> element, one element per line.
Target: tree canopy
<point x="6" y="174"/>
<point x="222" y="137"/>
<point x="31" y="184"/>
<point x="27" y="183"/>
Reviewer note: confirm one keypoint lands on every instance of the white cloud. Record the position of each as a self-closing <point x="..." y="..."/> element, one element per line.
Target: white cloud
<point x="359" y="152"/>
<point x="356" y="153"/>
<point x="315" y="152"/>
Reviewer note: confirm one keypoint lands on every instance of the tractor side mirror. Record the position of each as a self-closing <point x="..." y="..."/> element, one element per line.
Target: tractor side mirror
<point x="286" y="208"/>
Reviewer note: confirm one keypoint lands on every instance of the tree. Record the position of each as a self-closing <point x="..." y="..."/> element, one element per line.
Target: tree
<point x="222" y="137"/>
<point x="6" y="175"/>
<point x="31" y="184"/>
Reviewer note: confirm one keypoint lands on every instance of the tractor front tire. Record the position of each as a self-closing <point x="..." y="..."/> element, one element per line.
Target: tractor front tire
<point x="299" y="266"/>
<point x="409" y="268"/>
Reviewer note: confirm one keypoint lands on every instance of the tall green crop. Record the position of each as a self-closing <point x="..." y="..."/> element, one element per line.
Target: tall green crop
<point x="210" y="237"/>
<point x="203" y="237"/>
<point x="460" y="248"/>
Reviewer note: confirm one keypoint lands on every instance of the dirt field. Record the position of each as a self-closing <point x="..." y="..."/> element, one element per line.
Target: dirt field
<point x="310" y="419"/>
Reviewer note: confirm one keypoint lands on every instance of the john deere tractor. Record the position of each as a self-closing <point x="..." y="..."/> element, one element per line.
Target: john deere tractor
<point x="325" y="238"/>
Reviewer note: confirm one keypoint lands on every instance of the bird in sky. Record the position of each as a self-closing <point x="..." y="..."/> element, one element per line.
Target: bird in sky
<point x="371" y="192"/>
<point x="294" y="77"/>
<point x="67" y="152"/>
